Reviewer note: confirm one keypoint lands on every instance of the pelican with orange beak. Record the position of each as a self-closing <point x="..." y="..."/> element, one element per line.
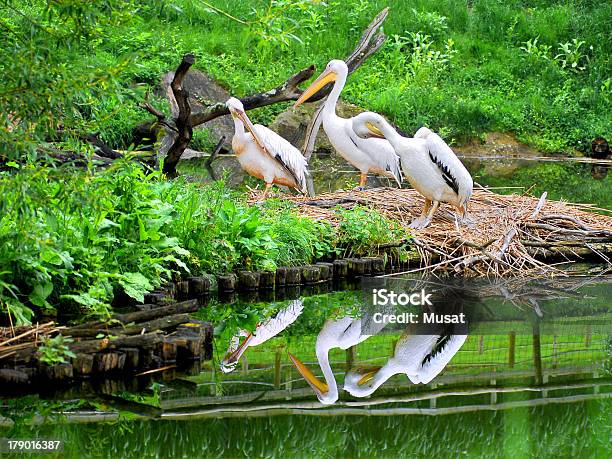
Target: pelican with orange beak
<point x="264" y="154"/>
<point x="341" y="333"/>
<point x="367" y="155"/>
<point x="429" y="164"/>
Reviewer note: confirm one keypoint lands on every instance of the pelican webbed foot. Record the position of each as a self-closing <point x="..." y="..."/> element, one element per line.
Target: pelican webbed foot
<point x="419" y="223"/>
<point x="426" y="216"/>
<point x="467" y="220"/>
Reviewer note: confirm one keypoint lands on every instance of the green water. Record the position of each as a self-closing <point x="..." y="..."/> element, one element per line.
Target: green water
<point x="573" y="430"/>
<point x="532" y="379"/>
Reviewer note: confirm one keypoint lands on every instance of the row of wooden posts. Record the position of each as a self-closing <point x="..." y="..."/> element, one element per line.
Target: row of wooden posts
<point x="249" y="281"/>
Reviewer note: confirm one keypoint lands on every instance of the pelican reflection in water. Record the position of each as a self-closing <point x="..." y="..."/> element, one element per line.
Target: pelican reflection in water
<point x="263" y="332"/>
<point x="420" y="357"/>
<point x="341" y="333"/>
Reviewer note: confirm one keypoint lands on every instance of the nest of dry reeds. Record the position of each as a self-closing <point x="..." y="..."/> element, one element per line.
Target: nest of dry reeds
<point x="508" y="235"/>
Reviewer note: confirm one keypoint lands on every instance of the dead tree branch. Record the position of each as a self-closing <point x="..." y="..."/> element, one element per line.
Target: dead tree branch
<point x="183" y="120"/>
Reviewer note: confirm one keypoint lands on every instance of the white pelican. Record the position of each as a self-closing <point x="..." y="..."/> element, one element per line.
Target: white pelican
<point x="420" y="357"/>
<point x="429" y="164"/>
<point x="263" y="332"/>
<point x="367" y="155"/>
<point x="264" y="154"/>
<point x="342" y="333"/>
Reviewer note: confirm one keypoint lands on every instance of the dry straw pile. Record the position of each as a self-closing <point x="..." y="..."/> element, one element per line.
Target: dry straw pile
<point x="509" y="235"/>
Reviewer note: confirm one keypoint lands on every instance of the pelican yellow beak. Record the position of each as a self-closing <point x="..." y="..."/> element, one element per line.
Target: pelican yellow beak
<point x="367" y="376"/>
<point x="328" y="76"/>
<point x="234" y="356"/>
<point x="375" y="131"/>
<point x="317" y="385"/>
<point x="242" y="116"/>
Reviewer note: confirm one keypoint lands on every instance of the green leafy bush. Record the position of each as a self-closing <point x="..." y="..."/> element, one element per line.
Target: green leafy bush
<point x="362" y="230"/>
<point x="71" y="239"/>
<point x="55" y="350"/>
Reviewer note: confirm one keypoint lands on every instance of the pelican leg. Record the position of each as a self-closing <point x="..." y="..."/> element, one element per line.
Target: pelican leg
<point x="424" y="223"/>
<point x="362" y="181"/>
<point x="465" y="217"/>
<point x="266" y="191"/>
<point x="417" y="222"/>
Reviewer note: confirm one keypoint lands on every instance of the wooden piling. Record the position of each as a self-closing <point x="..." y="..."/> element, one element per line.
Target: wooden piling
<point x="311" y="274"/>
<point x="267" y="280"/>
<point x="248" y="280"/>
<point x="227" y="283"/>
<point x="377" y="266"/>
<point x="340" y="269"/>
<point x="199" y="286"/>
<point x="293" y="276"/>
<point x="182" y="290"/>
<point x="327" y="271"/>
<point x="281" y="275"/>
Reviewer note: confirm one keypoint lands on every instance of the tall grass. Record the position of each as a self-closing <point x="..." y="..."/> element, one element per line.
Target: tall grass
<point x="488" y="82"/>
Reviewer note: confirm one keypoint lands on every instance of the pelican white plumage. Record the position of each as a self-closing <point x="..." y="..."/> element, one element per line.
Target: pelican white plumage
<point x="428" y="162"/>
<point x="340" y="333"/>
<point x="420" y="357"/>
<point x="367" y="155"/>
<point x="264" y="154"/>
<point x="263" y="332"/>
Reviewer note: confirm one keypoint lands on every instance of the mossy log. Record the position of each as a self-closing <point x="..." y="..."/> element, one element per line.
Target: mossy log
<point x="138" y="316"/>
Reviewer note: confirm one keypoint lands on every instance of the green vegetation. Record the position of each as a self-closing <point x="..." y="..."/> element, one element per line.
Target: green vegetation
<point x="359" y="237"/>
<point x="539" y="69"/>
<point x="55" y="350"/>
<point x="70" y="240"/>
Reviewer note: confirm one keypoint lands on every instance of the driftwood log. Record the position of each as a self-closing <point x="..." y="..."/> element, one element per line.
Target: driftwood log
<point x="179" y="129"/>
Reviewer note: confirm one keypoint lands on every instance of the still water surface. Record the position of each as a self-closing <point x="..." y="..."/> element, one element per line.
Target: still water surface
<point x="530" y="375"/>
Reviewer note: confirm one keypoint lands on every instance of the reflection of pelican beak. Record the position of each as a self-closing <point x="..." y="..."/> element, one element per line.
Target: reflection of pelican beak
<point x="367" y="376"/>
<point x="242" y="116"/>
<point x="233" y="357"/>
<point x="375" y="131"/>
<point x="328" y="76"/>
<point x="317" y="385"/>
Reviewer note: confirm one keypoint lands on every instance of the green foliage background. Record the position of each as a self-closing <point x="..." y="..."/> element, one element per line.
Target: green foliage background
<point x="538" y="68"/>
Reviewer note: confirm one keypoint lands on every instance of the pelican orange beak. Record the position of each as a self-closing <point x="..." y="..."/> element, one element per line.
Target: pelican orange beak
<point x="233" y="357"/>
<point x="317" y="385"/>
<point x="328" y="76"/>
<point x="367" y="377"/>
<point x="242" y="116"/>
<point x="375" y="131"/>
